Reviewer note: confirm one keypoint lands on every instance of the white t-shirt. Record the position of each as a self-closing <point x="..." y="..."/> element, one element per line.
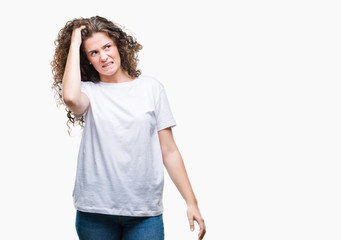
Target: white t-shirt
<point x="120" y="166"/>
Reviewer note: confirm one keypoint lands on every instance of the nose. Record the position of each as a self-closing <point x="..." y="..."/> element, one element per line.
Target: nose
<point x="103" y="56"/>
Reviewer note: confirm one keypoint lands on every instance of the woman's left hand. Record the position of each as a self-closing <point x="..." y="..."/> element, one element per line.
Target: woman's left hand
<point x="193" y="214"/>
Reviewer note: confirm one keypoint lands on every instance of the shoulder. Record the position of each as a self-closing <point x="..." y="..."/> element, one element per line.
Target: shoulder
<point x="86" y="86"/>
<point x="86" y="83"/>
<point x="152" y="82"/>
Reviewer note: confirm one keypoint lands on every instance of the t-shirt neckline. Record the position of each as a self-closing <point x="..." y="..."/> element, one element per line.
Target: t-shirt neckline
<point x="122" y="84"/>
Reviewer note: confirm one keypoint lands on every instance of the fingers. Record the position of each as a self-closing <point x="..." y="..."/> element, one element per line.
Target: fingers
<point x="201" y="224"/>
<point x="191" y="223"/>
<point x="79" y="28"/>
<point x="76" y="37"/>
<point x="202" y="229"/>
<point x="194" y="215"/>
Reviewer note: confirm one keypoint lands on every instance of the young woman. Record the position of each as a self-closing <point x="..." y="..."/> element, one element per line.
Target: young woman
<point x="127" y="135"/>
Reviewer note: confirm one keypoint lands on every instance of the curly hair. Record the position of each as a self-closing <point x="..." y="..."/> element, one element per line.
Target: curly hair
<point x="127" y="46"/>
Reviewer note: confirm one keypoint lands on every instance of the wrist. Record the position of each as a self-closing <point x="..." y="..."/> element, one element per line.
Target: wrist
<point x="75" y="46"/>
<point x="192" y="203"/>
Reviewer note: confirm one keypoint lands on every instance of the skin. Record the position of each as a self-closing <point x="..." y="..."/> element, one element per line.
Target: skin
<point x="103" y="55"/>
<point x="174" y="164"/>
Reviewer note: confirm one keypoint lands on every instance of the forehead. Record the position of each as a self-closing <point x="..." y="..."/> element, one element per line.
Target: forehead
<point x="97" y="40"/>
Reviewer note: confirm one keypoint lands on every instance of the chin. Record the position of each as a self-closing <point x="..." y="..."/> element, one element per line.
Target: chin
<point x="108" y="72"/>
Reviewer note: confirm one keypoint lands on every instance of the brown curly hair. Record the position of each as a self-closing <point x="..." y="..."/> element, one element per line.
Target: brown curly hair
<point x="127" y="46"/>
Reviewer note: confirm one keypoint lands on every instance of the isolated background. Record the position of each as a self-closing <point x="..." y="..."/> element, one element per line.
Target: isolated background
<point x="254" y="87"/>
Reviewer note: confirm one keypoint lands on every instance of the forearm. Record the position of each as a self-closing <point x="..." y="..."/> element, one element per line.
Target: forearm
<point x="176" y="169"/>
<point x="177" y="172"/>
<point x="72" y="76"/>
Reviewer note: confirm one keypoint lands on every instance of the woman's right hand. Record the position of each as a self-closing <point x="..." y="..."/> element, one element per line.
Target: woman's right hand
<point x="76" y="37"/>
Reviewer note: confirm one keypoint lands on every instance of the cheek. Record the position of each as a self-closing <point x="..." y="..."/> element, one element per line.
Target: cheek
<point x="116" y="53"/>
<point x="95" y="64"/>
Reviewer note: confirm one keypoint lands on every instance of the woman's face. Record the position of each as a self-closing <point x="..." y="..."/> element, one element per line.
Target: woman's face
<point x="103" y="54"/>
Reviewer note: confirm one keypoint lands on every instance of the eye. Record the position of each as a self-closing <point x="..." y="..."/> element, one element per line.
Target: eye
<point x="108" y="46"/>
<point x="93" y="53"/>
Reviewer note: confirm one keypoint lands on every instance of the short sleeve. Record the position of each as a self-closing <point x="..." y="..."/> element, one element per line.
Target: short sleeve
<point x="84" y="90"/>
<point x="164" y="116"/>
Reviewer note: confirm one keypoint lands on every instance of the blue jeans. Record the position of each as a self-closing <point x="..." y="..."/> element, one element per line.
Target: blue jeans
<point x="95" y="226"/>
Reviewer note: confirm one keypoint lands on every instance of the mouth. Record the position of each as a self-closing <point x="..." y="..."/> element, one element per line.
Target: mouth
<point x="107" y="64"/>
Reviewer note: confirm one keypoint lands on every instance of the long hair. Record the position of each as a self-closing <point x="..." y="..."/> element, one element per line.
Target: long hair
<point x="127" y="46"/>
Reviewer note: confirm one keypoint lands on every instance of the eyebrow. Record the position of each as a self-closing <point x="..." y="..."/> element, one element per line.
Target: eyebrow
<point x="111" y="42"/>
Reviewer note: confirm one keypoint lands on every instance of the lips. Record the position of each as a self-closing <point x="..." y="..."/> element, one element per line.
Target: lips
<point x="107" y="64"/>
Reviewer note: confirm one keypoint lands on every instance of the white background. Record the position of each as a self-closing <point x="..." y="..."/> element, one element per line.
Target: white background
<point x="254" y="87"/>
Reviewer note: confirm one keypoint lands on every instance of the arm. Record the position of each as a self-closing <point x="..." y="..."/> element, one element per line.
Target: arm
<point x="72" y="95"/>
<point x="176" y="169"/>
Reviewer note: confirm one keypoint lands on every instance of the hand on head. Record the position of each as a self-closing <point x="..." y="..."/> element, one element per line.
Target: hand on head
<point x="76" y="37"/>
